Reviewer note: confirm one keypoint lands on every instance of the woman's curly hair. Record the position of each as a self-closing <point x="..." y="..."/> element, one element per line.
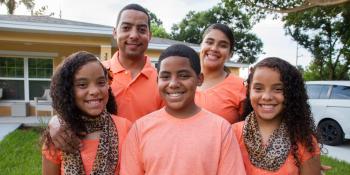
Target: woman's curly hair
<point x="296" y="111"/>
<point x="62" y="90"/>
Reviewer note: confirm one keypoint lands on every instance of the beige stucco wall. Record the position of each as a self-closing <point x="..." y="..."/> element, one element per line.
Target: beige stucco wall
<point x="62" y="46"/>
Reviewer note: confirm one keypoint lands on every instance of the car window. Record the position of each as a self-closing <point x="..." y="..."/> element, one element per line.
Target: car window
<point x="314" y="91"/>
<point x="340" y="92"/>
<point x="324" y="92"/>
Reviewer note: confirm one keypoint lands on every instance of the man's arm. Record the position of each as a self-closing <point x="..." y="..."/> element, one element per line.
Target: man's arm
<point x="62" y="137"/>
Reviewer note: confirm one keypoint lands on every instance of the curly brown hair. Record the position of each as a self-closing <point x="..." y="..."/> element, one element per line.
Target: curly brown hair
<point x="62" y="90"/>
<point x="296" y="111"/>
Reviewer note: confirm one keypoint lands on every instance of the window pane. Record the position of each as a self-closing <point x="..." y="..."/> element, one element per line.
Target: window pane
<point x="40" y="68"/>
<point x="324" y="91"/>
<point x="314" y="91"/>
<point x="37" y="88"/>
<point x="340" y="92"/>
<point x="11" y="67"/>
<point x="12" y="89"/>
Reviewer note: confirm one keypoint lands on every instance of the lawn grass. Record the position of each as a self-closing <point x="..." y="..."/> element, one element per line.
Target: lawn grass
<point x="20" y="154"/>
<point x="338" y="167"/>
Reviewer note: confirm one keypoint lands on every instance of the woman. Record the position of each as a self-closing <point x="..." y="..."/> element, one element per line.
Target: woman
<point x="221" y="92"/>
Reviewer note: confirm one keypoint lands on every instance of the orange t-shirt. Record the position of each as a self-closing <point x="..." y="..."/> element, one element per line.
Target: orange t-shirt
<point x="88" y="153"/>
<point x="224" y="99"/>
<point x="160" y="144"/>
<point x="288" y="167"/>
<point x="138" y="96"/>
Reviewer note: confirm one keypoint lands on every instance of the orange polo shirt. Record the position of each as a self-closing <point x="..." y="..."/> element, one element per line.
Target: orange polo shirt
<point x="88" y="153"/>
<point x="160" y="144"/>
<point x="224" y="99"/>
<point x="135" y="97"/>
<point x="288" y="167"/>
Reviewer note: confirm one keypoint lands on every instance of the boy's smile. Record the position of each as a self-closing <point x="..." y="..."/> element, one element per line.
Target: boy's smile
<point x="177" y="83"/>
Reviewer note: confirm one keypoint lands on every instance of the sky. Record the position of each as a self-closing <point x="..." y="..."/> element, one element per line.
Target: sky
<point x="105" y="12"/>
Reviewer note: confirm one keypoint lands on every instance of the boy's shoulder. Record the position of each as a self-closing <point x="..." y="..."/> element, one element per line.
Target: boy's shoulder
<point x="211" y="117"/>
<point x="153" y="116"/>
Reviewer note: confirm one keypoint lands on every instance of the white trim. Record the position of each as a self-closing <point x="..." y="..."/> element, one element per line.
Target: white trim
<point x="39" y="79"/>
<point x="26" y="81"/>
<point x="164" y="46"/>
<point x="239" y="65"/>
<point x="27" y="53"/>
<point x="11" y="78"/>
<point x="106" y="46"/>
<point x="55" y="28"/>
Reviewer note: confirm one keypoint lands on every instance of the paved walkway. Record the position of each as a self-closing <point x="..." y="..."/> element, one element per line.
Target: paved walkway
<point x="7" y="128"/>
<point x="9" y="124"/>
<point x="340" y="152"/>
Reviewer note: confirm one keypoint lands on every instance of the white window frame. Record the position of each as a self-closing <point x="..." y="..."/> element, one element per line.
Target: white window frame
<point x="25" y="56"/>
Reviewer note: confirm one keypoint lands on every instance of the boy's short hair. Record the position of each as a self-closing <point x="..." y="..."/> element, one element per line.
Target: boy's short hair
<point x="136" y="7"/>
<point x="181" y="50"/>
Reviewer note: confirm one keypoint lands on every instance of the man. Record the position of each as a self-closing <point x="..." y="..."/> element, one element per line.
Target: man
<point x="134" y="81"/>
<point x="134" y="78"/>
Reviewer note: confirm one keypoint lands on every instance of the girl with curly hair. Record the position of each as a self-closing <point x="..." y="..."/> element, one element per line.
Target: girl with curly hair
<point x="278" y="135"/>
<point x="84" y="102"/>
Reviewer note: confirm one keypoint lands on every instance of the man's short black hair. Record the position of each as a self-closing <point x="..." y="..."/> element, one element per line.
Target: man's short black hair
<point x="136" y="7"/>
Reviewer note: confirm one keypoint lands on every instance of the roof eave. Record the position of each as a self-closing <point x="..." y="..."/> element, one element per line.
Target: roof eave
<point x="55" y="28"/>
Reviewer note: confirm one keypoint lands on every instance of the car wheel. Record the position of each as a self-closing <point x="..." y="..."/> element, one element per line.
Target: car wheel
<point x="330" y="132"/>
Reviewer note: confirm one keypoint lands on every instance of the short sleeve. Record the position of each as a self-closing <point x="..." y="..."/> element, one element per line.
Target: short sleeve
<point x="305" y="155"/>
<point x="131" y="163"/>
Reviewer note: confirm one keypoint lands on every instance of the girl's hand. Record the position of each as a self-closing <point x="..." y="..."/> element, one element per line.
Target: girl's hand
<point x="325" y="168"/>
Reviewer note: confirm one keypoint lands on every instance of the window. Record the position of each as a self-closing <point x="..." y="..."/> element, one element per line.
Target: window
<point x="12" y="78"/>
<point x="40" y="72"/>
<point x="40" y="68"/>
<point x="11" y="67"/>
<point x="340" y="92"/>
<point x="317" y="91"/>
<point x="17" y="75"/>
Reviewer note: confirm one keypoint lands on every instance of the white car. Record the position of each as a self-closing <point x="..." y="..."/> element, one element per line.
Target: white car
<point x="330" y="106"/>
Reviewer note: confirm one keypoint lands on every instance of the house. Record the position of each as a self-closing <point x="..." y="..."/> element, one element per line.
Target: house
<point x="31" y="47"/>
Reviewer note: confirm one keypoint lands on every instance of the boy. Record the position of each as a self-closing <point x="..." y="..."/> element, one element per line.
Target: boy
<point x="180" y="138"/>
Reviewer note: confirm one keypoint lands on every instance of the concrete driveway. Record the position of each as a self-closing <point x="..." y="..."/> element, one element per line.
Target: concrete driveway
<point x="341" y="152"/>
<point x="9" y="124"/>
<point x="6" y="128"/>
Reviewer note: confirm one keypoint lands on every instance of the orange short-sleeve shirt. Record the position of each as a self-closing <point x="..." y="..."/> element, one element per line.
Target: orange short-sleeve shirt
<point x="88" y="153"/>
<point x="136" y="96"/>
<point x="224" y="99"/>
<point x="288" y="167"/>
<point x="161" y="144"/>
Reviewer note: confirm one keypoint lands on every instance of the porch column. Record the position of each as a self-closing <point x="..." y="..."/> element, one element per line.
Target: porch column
<point x="105" y="52"/>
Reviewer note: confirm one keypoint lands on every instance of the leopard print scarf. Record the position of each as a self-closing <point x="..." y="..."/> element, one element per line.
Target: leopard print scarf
<point x="272" y="156"/>
<point x="107" y="151"/>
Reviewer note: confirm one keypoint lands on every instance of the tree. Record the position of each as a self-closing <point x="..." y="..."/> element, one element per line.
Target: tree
<point x="320" y="26"/>
<point x="157" y="28"/>
<point x="159" y="31"/>
<point x="42" y="11"/>
<point x="11" y="5"/>
<point x="324" y="31"/>
<point x="286" y="6"/>
<point x="191" y="28"/>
